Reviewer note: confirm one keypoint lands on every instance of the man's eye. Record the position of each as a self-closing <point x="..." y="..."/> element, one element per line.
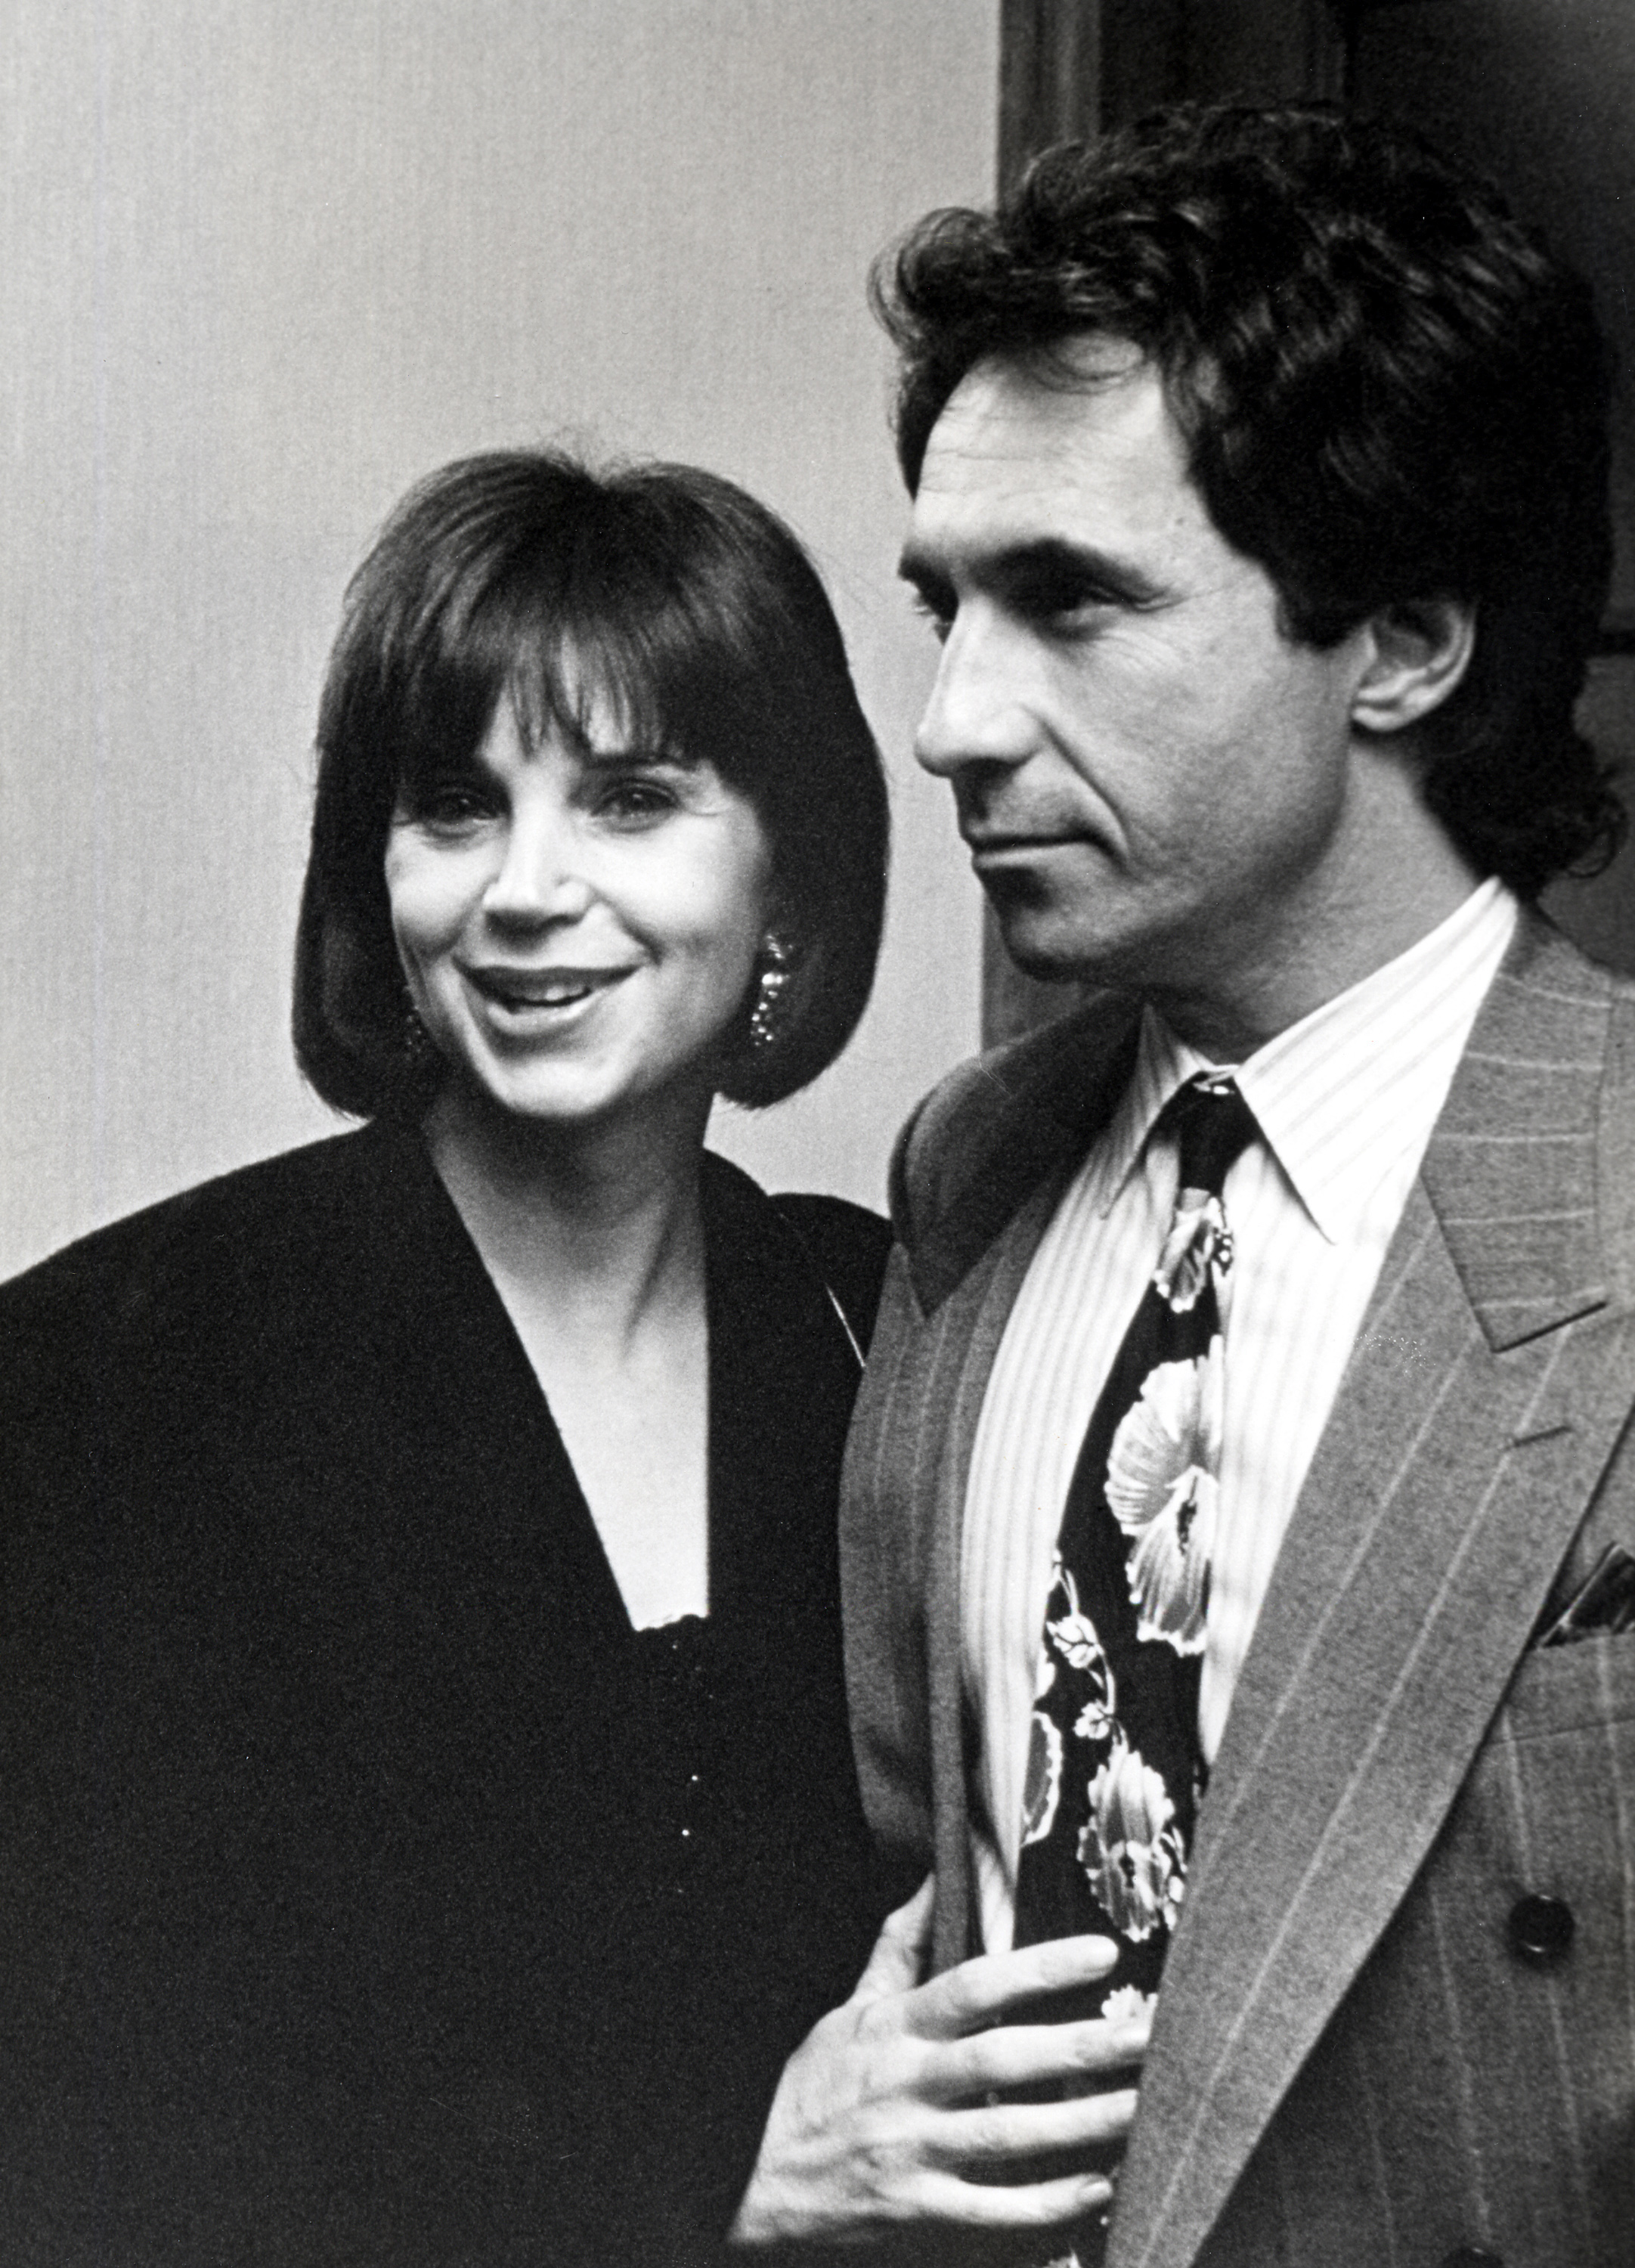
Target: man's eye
<point x="1062" y="599"/>
<point x="938" y="614"/>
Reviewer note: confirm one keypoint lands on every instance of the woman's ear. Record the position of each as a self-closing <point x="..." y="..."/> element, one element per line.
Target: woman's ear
<point x="1420" y="652"/>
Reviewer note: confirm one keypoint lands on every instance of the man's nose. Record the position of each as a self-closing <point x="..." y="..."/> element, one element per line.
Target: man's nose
<point x="977" y="713"/>
<point x="542" y="874"/>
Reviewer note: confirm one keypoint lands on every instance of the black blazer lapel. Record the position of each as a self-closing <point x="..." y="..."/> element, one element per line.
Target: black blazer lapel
<point x="430" y="1322"/>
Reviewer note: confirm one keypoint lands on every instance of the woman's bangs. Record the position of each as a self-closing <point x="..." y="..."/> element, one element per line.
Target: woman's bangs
<point x="446" y="711"/>
<point x="600" y="665"/>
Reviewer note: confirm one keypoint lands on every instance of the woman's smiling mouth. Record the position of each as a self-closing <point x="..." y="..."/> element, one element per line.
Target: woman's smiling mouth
<point x="542" y="993"/>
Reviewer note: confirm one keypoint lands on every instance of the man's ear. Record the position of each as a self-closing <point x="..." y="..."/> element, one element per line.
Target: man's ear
<point x="1420" y="652"/>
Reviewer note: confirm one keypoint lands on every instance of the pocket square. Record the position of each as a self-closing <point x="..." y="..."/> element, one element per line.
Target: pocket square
<point x="1604" y="1600"/>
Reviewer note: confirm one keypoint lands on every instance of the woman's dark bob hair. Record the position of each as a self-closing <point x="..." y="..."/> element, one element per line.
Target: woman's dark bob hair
<point x="666" y="590"/>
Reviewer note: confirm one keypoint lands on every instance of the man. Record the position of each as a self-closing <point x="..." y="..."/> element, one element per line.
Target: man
<point x="1240" y="1510"/>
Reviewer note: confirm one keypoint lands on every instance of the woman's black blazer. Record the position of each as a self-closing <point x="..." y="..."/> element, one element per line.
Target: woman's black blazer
<point x="369" y="1892"/>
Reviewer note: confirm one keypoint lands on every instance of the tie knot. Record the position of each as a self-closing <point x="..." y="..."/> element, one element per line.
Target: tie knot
<point x="1212" y="1125"/>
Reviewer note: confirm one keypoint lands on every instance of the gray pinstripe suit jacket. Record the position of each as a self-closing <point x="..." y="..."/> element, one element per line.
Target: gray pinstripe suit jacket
<point x="1350" y="2067"/>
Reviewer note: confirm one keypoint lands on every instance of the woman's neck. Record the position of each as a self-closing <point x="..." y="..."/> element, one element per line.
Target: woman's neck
<point x="600" y="1225"/>
<point x="594" y="1241"/>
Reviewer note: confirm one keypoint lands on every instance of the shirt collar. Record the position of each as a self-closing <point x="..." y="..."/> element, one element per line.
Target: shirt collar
<point x="1347" y="1092"/>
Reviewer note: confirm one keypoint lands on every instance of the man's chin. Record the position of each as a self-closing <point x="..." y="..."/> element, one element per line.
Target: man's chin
<point x="1041" y="971"/>
<point x="1040" y="933"/>
<point x="1046" y="959"/>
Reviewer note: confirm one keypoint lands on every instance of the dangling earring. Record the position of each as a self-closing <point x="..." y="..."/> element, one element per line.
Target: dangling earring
<point x="776" y="955"/>
<point x="419" y="1049"/>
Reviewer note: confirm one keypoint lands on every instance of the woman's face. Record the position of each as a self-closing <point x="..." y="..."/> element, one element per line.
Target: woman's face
<point x="579" y="925"/>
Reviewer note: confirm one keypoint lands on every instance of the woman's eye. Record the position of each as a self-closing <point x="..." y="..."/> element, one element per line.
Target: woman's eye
<point x="635" y="803"/>
<point x="452" y="807"/>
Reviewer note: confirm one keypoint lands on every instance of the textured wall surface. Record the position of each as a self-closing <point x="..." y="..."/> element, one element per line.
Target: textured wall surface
<point x="264" y="261"/>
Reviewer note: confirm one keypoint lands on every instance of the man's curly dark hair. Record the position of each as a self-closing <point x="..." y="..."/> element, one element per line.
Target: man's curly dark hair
<point x="1390" y="390"/>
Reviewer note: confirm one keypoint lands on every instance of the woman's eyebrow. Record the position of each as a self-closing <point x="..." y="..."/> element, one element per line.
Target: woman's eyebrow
<point x="619" y="756"/>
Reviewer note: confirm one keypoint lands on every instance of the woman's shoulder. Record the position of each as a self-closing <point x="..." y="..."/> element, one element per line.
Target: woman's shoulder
<point x="191" y="1253"/>
<point x="849" y="1235"/>
<point x="850" y="1246"/>
<point x="846" y="1245"/>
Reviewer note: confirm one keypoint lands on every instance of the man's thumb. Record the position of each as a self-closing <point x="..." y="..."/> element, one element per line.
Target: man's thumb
<point x="898" y="1962"/>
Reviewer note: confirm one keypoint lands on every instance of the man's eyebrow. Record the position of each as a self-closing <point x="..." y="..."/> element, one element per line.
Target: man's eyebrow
<point x="923" y="575"/>
<point x="1040" y="560"/>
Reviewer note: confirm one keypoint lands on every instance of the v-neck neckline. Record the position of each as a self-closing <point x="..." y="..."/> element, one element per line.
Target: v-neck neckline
<point x="756" y="1274"/>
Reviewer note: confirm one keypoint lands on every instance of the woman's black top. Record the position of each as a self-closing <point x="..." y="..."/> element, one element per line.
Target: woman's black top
<point x="370" y="1891"/>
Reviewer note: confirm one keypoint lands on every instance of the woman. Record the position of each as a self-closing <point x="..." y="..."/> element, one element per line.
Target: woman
<point x="430" y="1816"/>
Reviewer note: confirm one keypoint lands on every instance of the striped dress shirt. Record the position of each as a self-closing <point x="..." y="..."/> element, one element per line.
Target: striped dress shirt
<point x="1346" y="1101"/>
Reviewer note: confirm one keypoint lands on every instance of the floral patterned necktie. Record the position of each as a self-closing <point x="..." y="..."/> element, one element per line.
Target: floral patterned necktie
<point x="1114" y="1768"/>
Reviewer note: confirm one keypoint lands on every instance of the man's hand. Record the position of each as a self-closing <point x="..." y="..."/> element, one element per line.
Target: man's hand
<point x="890" y="2115"/>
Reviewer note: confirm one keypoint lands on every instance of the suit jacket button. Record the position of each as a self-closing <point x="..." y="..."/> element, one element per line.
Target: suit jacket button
<point x="1471" y="2256"/>
<point x="1541" y="1931"/>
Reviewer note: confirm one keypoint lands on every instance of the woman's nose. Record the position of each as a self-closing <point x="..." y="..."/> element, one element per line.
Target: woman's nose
<point x="540" y="876"/>
<point x="978" y="712"/>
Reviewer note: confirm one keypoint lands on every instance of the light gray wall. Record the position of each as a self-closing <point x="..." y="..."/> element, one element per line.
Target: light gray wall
<point x="264" y="261"/>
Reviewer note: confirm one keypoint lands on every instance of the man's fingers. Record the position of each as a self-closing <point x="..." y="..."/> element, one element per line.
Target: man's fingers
<point x="875" y="2125"/>
<point x="898" y="1960"/>
<point x="1000" y="2134"/>
<point x="984" y="1991"/>
<point x="1073" y="2057"/>
<point x="945" y="2198"/>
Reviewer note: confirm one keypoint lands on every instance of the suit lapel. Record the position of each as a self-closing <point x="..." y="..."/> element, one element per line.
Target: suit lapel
<point x="966" y="1330"/>
<point x="1512" y="1168"/>
<point x="1026" y="1116"/>
<point x="1486" y="1391"/>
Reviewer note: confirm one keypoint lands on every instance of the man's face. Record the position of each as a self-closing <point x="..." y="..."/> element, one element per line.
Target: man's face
<point x="1159" y="789"/>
